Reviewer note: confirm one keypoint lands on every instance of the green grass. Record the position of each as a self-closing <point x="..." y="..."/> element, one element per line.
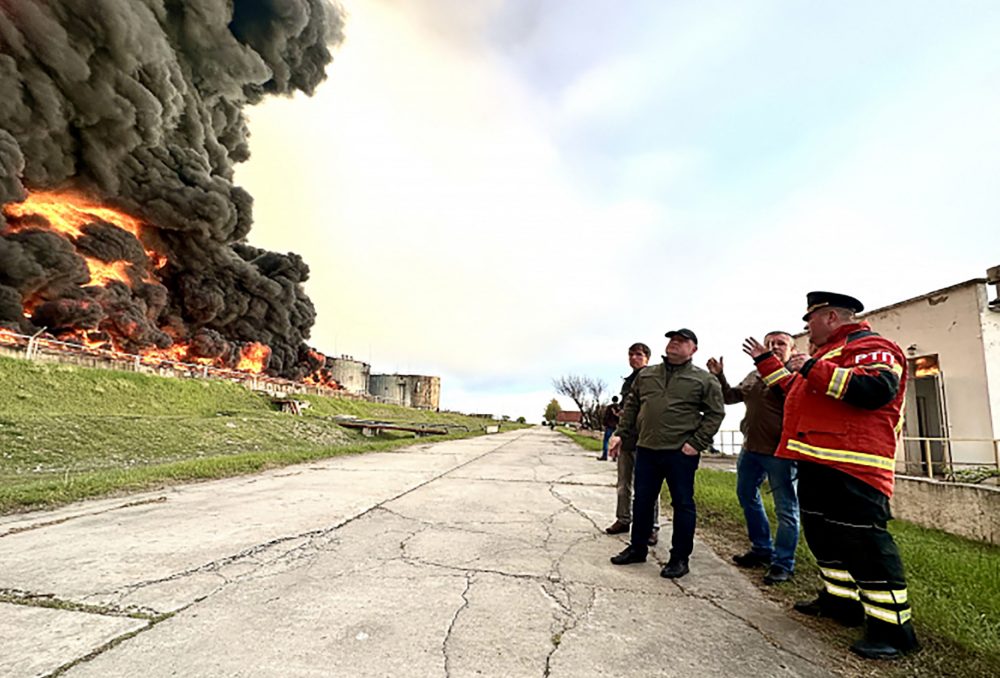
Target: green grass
<point x="28" y="388"/>
<point x="69" y="433"/>
<point x="954" y="584"/>
<point x="584" y="441"/>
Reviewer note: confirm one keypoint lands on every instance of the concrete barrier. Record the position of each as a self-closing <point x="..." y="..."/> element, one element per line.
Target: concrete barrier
<point x="971" y="511"/>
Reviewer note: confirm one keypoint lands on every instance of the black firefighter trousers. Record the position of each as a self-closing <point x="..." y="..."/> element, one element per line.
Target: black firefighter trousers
<point x="844" y="521"/>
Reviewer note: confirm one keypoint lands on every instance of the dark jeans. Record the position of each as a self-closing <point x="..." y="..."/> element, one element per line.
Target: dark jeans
<point x="652" y="467"/>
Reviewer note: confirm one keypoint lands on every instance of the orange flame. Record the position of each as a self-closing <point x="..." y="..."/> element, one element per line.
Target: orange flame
<point x="253" y="358"/>
<point x="101" y="273"/>
<point x="8" y="337"/>
<point x="69" y="212"/>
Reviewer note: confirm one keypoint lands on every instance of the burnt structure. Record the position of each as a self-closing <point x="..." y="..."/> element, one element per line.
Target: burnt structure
<point x="410" y="390"/>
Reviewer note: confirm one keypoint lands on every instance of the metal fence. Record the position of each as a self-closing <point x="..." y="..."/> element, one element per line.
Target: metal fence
<point x="935" y="457"/>
<point x="921" y="456"/>
<point x="39" y="347"/>
<point x="729" y="441"/>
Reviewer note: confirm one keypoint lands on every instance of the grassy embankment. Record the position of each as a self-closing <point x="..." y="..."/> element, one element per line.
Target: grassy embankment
<point x="954" y="583"/>
<point x="68" y="433"/>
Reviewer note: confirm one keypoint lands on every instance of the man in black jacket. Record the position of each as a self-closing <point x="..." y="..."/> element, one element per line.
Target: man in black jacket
<point x="638" y="358"/>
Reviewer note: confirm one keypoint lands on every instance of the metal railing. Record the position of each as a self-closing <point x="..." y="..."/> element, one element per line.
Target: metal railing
<point x="729" y="441"/>
<point x="933" y="457"/>
<point x="927" y="457"/>
<point x="36" y="346"/>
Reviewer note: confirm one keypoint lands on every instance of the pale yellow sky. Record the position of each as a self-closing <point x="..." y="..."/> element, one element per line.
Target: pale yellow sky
<point x="429" y="206"/>
<point x="503" y="192"/>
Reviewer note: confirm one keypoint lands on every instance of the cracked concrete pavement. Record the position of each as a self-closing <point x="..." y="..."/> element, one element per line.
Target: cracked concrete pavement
<point x="478" y="557"/>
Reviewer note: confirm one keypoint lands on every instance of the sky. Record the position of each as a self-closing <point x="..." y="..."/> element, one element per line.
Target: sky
<point x="500" y="192"/>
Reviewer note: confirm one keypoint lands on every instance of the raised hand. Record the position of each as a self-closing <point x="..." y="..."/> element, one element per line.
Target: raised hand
<point x="753" y="348"/>
<point x="715" y="366"/>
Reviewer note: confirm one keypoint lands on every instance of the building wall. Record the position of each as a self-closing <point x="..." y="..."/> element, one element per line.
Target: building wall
<point x="991" y="346"/>
<point x="972" y="511"/>
<point x="388" y="387"/>
<point x="949" y="325"/>
<point x="425" y="392"/>
<point x="353" y="375"/>
<point x="409" y="390"/>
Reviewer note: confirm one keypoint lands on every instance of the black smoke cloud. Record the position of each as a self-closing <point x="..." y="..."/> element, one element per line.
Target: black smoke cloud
<point x="139" y="104"/>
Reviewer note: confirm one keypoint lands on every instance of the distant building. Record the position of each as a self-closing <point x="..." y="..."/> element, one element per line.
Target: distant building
<point x="951" y="338"/>
<point x="569" y="418"/>
<point x="409" y="390"/>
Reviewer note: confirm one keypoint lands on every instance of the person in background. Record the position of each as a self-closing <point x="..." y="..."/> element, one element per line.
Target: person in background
<point x="611" y="415"/>
<point x="638" y="358"/>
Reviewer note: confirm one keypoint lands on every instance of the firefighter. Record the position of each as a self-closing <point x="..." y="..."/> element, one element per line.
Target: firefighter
<point x="843" y="416"/>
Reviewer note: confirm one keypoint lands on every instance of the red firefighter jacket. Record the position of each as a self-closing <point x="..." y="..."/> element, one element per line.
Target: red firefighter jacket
<point x="844" y="408"/>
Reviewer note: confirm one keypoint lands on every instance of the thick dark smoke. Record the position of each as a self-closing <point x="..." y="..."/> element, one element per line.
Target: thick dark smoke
<point x="139" y="104"/>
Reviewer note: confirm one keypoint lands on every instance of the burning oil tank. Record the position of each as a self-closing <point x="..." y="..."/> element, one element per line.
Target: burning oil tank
<point x="351" y="374"/>
<point x="409" y="390"/>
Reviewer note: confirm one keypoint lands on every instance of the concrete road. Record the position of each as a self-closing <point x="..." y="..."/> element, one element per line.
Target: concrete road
<point x="480" y="557"/>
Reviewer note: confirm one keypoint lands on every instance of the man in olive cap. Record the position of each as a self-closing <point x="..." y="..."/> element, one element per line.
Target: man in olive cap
<point x="676" y="408"/>
<point x="843" y="415"/>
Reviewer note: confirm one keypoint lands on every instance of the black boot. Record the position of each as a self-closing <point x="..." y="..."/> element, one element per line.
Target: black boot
<point x="847" y="612"/>
<point x="886" y="641"/>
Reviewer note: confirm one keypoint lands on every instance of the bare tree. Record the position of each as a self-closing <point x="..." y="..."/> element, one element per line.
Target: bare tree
<point x="573" y="387"/>
<point x="595" y="403"/>
<point x="586" y="393"/>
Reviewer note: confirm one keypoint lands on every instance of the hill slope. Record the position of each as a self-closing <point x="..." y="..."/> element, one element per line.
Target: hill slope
<point x="69" y="432"/>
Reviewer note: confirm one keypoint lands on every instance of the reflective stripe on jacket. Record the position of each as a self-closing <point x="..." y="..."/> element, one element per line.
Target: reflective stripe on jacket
<point x="844" y="407"/>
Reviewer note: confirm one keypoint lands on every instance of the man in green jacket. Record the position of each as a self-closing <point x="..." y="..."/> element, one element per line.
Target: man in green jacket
<point x="676" y="408"/>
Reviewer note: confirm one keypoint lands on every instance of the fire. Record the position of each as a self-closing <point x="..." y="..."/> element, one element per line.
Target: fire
<point x="926" y="366"/>
<point x="253" y="358"/>
<point x="176" y="353"/>
<point x="68" y="213"/>
<point x="8" y="337"/>
<point x="101" y="273"/>
<point x="320" y="378"/>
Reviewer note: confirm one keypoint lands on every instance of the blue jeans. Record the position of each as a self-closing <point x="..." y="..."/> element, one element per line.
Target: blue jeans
<point x="751" y="469"/>
<point x="652" y="467"/>
<point x="608" y="432"/>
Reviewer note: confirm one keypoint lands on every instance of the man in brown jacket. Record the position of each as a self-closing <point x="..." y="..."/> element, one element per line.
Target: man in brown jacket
<point x="761" y="435"/>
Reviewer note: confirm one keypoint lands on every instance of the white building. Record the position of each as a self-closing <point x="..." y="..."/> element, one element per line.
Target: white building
<point x="951" y="338"/>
